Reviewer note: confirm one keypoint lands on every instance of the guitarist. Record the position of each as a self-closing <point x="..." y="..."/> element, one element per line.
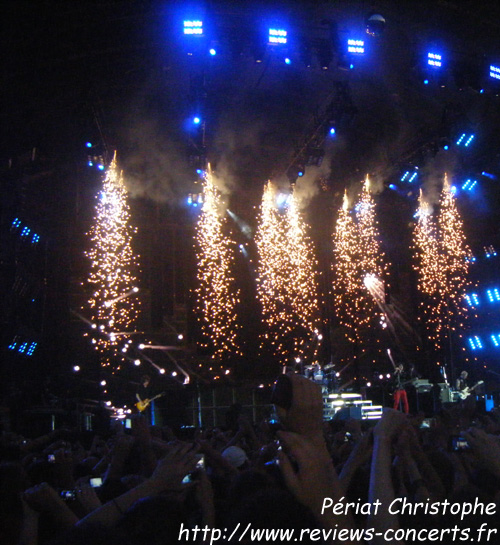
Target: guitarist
<point x="143" y="393"/>
<point x="462" y="383"/>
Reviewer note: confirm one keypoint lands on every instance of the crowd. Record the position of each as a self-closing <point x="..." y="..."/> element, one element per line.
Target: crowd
<point x="151" y="487"/>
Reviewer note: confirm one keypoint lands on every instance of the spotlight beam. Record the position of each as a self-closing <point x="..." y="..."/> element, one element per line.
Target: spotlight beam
<point x="121" y="297"/>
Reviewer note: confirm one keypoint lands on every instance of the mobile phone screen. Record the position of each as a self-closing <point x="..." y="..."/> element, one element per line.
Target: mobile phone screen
<point x="96" y="482"/>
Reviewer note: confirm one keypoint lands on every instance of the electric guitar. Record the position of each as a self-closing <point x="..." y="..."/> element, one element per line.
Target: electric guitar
<point x="466" y="392"/>
<point x="143" y="403"/>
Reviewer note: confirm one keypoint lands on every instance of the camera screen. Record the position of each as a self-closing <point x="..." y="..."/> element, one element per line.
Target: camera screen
<point x="460" y="443"/>
<point x="96" y="482"/>
<point x="68" y="494"/>
<point x="200" y="464"/>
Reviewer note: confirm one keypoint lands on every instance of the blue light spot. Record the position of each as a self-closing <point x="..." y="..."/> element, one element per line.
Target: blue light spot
<point x="300" y="173"/>
<point x="426" y="82"/>
<point x="392" y="186"/>
<point x="332" y="131"/>
<point x="434" y="60"/>
<point x="199" y="171"/>
<point x="213" y="52"/>
<point x="469" y="140"/>
<point x="446" y="148"/>
<point x="277" y="36"/>
<point x="494" y="72"/>
<point x="351" y="66"/>
<point x="193" y="28"/>
<point x="356" y="46"/>
<point x="288" y="61"/>
<point x="89" y="144"/>
<point x="100" y="167"/>
<point x="196" y="120"/>
<point x="90" y="164"/>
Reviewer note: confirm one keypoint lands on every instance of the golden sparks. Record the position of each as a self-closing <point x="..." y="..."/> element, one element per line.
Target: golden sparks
<point x="217" y="296"/>
<point x="287" y="282"/>
<point x="113" y="303"/>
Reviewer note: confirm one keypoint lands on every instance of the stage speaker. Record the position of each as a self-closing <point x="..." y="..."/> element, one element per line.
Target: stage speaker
<point x="445" y="393"/>
<point x="348" y="412"/>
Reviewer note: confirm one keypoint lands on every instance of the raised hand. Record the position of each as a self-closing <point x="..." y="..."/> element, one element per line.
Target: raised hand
<point x="485" y="448"/>
<point x="179" y="460"/>
<point x="305" y="415"/>
<point x="87" y="497"/>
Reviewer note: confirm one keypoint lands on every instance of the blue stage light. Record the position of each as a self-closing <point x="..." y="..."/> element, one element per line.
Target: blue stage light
<point x="454" y="189"/>
<point x="435" y="60"/>
<point x="25" y="232"/>
<point x="100" y="167"/>
<point x="277" y="36"/>
<point x="300" y="173"/>
<point x="288" y="61"/>
<point x="31" y="349"/>
<point x="351" y="66"/>
<point x="22" y="348"/>
<point x="494" y="72"/>
<point x="212" y="52"/>
<point x="392" y="186"/>
<point x="190" y="200"/>
<point x="475" y="343"/>
<point x="426" y="82"/>
<point x="12" y="345"/>
<point x="405" y="175"/>
<point x="35" y="239"/>
<point x="488" y="175"/>
<point x="490" y="251"/>
<point x="193" y="28"/>
<point x="465" y="139"/>
<point x="15" y="224"/>
<point x="493" y="295"/>
<point x="413" y="176"/>
<point x="496" y="340"/>
<point x="469" y="140"/>
<point x="90" y="164"/>
<point x="472" y="300"/>
<point x="356" y="47"/>
<point x="199" y="171"/>
<point x="332" y="131"/>
<point x="89" y="144"/>
<point x="469" y="185"/>
<point x="446" y="148"/>
<point x="196" y="120"/>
